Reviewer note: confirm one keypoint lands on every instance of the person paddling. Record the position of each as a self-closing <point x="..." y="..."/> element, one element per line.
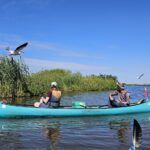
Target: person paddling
<point x="52" y="99"/>
<point x="123" y="97"/>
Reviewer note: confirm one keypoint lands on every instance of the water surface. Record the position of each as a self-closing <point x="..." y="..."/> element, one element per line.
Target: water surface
<point x="84" y="133"/>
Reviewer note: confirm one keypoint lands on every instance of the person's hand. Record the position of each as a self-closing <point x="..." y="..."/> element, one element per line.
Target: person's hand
<point x="42" y="99"/>
<point x="4" y="101"/>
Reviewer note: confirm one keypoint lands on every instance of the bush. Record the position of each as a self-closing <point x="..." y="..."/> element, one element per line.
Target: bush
<point x="39" y="83"/>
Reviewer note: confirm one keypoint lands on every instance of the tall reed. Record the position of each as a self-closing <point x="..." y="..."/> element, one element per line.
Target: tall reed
<point x="13" y="77"/>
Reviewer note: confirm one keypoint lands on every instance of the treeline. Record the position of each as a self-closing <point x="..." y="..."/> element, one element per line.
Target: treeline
<point x="15" y="80"/>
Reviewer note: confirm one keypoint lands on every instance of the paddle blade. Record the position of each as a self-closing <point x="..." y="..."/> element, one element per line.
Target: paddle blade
<point x="137" y="134"/>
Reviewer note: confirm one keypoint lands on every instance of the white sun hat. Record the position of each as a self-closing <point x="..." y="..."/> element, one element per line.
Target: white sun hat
<point x="53" y="84"/>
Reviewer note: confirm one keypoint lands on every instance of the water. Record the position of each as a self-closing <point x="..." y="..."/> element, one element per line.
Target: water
<point x="83" y="133"/>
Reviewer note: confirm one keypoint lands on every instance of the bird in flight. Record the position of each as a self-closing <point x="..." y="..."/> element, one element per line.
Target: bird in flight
<point x="139" y="77"/>
<point x="18" y="50"/>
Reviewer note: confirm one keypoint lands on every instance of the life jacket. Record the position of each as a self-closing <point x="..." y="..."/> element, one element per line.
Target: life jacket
<point x="54" y="101"/>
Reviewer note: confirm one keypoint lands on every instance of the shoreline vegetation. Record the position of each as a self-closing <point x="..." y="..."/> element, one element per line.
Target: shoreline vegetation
<point x="16" y="81"/>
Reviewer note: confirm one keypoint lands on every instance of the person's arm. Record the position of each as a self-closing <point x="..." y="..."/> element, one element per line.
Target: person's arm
<point x="49" y="95"/>
<point x="113" y="94"/>
<point x="128" y="97"/>
<point x="45" y="100"/>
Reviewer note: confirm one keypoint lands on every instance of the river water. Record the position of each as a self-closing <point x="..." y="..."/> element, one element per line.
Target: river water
<point x="80" y="133"/>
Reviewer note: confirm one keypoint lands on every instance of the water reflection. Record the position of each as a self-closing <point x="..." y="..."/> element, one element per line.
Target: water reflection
<point x="53" y="134"/>
<point x="122" y="128"/>
<point x="67" y="133"/>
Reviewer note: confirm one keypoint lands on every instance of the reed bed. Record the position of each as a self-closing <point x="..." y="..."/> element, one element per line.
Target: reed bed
<point x="15" y="80"/>
<point x="13" y="77"/>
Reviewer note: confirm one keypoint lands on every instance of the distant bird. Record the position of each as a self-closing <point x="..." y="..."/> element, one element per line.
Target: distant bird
<point x="18" y="50"/>
<point x="137" y="135"/>
<point x="139" y="77"/>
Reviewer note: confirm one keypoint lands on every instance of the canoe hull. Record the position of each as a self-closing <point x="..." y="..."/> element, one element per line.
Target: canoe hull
<point x="12" y="111"/>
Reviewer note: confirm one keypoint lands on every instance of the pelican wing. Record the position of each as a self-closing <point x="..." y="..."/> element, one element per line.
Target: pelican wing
<point x="19" y="48"/>
<point x="137" y="134"/>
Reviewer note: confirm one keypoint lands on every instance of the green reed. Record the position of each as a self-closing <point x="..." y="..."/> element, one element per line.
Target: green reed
<point x="13" y="77"/>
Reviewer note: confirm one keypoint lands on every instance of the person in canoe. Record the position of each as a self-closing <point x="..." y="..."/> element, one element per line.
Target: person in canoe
<point x="120" y="97"/>
<point x="52" y="99"/>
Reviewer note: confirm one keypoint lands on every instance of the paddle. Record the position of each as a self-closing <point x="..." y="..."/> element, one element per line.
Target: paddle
<point x="140" y="101"/>
<point x="137" y="135"/>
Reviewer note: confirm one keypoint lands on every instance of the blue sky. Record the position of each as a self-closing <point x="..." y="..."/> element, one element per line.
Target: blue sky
<point x="90" y="36"/>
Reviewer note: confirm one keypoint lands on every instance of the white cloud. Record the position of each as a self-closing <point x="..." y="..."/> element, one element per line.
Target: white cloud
<point x="37" y="46"/>
<point x="38" y="4"/>
<point x="37" y="65"/>
<point x="10" y="40"/>
<point x="48" y="47"/>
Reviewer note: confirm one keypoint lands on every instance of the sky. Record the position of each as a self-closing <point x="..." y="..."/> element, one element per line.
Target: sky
<point x="87" y="36"/>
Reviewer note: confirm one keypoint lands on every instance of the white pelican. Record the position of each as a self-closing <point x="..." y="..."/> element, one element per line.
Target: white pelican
<point x="18" y="50"/>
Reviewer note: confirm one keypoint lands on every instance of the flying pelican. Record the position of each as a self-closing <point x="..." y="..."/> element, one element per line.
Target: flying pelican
<point x="139" y="77"/>
<point x="18" y="50"/>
